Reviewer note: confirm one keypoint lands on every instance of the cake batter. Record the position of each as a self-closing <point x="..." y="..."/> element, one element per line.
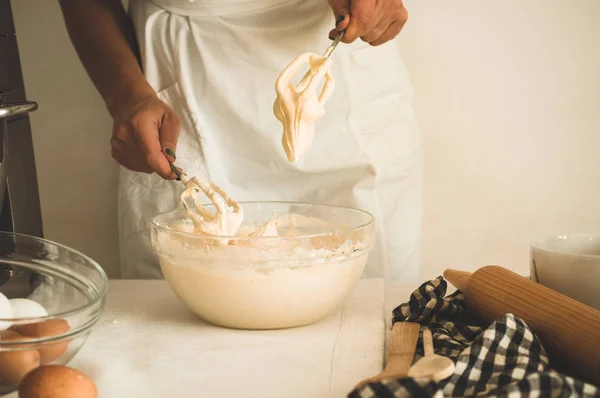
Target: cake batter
<point x="299" y="107"/>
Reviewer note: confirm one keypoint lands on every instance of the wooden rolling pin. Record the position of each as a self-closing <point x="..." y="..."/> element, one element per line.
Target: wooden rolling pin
<point x="568" y="329"/>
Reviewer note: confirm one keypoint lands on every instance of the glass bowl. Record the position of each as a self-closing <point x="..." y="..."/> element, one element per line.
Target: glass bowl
<point x="259" y="282"/>
<point x="68" y="285"/>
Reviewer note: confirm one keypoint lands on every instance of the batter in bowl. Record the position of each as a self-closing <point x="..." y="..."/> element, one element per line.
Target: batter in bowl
<point x="263" y="283"/>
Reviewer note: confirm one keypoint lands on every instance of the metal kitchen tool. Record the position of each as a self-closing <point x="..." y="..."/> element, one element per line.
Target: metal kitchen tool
<point x="7" y="112"/>
<point x="403" y="344"/>
<point x="326" y="54"/>
<point x="21" y="211"/>
<point x="334" y="44"/>
<point x="567" y="328"/>
<point x="13" y="283"/>
<point x="224" y="205"/>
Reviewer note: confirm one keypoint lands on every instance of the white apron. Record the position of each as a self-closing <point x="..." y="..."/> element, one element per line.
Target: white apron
<point x="215" y="63"/>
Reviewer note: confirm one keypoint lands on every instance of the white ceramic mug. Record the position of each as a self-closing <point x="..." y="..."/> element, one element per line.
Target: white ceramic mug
<point x="569" y="264"/>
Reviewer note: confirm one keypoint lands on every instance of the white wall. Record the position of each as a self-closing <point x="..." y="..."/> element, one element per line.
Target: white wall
<point x="508" y="96"/>
<point x="71" y="131"/>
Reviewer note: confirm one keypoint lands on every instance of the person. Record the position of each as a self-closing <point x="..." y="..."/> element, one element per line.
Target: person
<point x="198" y="76"/>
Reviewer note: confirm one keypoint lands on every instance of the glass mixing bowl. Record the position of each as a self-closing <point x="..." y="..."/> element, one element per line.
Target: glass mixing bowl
<point x="68" y="285"/>
<point x="258" y="282"/>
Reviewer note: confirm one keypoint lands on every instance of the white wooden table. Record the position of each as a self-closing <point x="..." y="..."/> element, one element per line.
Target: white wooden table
<point x="147" y="344"/>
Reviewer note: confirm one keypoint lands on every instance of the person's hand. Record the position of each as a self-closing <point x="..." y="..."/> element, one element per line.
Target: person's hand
<point x="142" y="133"/>
<point x="374" y="21"/>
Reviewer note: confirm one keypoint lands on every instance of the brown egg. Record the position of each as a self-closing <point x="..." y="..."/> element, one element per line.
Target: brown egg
<point x="52" y="327"/>
<point x="16" y="364"/>
<point x="8" y="333"/>
<point x="57" y="381"/>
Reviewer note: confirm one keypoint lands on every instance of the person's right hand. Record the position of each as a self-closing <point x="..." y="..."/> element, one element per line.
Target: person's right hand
<point x="374" y="21"/>
<point x="142" y="133"/>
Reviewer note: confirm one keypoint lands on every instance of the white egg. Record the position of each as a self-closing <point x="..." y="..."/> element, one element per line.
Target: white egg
<point x="5" y="312"/>
<point x="24" y="308"/>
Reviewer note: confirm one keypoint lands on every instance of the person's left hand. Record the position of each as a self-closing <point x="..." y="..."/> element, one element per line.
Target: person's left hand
<point x="374" y="21"/>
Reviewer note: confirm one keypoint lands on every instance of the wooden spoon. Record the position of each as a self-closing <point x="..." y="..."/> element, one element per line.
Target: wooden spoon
<point x="431" y="366"/>
<point x="403" y="344"/>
